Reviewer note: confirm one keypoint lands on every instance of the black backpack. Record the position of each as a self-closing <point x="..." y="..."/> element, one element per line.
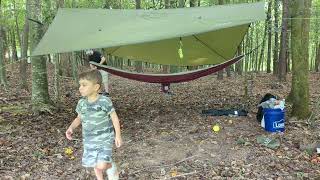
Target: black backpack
<point x="266" y="97"/>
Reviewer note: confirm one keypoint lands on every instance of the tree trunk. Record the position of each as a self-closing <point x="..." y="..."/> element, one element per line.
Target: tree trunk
<point x="40" y="96"/>
<point x="289" y="55"/>
<point x="276" y="37"/>
<point x="247" y="49"/>
<point x="129" y="63"/>
<point x="17" y="23"/>
<point x="239" y="63"/>
<point x="228" y="70"/>
<point x="312" y="56"/>
<point x="65" y="59"/>
<point x="138" y="64"/>
<point x="3" y="77"/>
<point x="220" y="73"/>
<point x="317" y="61"/>
<point x="260" y="64"/>
<point x="181" y="3"/>
<point x="300" y="55"/>
<point x="24" y="49"/>
<point x="256" y="67"/>
<point x="282" y="66"/>
<point x="14" y="47"/>
<point x="57" y="79"/>
<point x="57" y="67"/>
<point x="192" y="3"/>
<point x="269" y="37"/>
<point x="252" y="54"/>
<point x="14" y="54"/>
<point x="173" y="68"/>
<point x="166" y="68"/>
<point x="5" y="43"/>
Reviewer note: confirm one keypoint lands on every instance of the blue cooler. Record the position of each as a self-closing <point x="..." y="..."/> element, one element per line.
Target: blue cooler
<point x="274" y="119"/>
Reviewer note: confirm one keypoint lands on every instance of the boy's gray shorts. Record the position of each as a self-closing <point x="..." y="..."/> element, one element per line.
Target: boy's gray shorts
<point x="92" y="156"/>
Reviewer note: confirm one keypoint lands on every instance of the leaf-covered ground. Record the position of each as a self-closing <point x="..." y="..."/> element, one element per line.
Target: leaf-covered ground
<point x="165" y="137"/>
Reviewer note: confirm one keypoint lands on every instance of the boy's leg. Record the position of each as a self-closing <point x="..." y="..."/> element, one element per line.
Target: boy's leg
<point x="100" y="169"/>
<point x="99" y="173"/>
<point x="112" y="172"/>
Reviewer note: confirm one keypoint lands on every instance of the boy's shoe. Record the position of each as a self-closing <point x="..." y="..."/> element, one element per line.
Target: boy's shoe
<point x="112" y="172"/>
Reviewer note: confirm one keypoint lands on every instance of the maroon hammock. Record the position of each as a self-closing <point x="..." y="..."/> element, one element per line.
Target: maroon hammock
<point x="167" y="79"/>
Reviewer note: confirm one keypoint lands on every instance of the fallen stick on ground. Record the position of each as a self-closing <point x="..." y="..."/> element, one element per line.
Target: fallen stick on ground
<point x="181" y="175"/>
<point x="164" y="165"/>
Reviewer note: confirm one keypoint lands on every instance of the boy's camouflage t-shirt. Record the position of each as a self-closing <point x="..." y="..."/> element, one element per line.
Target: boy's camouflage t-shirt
<point x="97" y="127"/>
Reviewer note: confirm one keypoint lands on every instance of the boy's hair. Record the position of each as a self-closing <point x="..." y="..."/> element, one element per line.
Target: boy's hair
<point x="93" y="76"/>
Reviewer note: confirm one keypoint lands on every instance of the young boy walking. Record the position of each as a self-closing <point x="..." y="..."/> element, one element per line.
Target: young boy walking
<point x="100" y="126"/>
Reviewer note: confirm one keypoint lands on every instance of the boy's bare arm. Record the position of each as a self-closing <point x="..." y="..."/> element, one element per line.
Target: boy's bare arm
<point x="116" y="125"/>
<point x="75" y="123"/>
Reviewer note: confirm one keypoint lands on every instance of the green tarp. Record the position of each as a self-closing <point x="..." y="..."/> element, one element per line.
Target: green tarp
<point x="209" y="35"/>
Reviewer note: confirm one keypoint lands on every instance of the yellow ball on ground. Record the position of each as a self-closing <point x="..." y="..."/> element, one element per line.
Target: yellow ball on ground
<point x="216" y="128"/>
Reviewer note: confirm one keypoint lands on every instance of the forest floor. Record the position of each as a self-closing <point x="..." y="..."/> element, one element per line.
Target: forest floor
<point x="165" y="137"/>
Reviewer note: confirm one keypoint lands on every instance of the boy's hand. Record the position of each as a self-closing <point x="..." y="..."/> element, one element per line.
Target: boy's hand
<point x="118" y="141"/>
<point x="69" y="133"/>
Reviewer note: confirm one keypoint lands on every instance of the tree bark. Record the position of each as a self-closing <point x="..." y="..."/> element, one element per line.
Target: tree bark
<point x="5" y="43"/>
<point x="166" y="68"/>
<point x="282" y="66"/>
<point x="247" y="48"/>
<point x="256" y="67"/>
<point x="252" y="54"/>
<point x="276" y="37"/>
<point x="317" y="61"/>
<point x="300" y="56"/>
<point x="239" y="64"/>
<point x="14" y="54"/>
<point x="269" y="37"/>
<point x="65" y="58"/>
<point x="260" y="64"/>
<point x="14" y="47"/>
<point x="40" y="96"/>
<point x="58" y="71"/>
<point x="17" y="23"/>
<point x="228" y="70"/>
<point x="24" y="49"/>
<point x="220" y="73"/>
<point x="173" y="68"/>
<point x="57" y="80"/>
<point x="138" y="64"/>
<point x="3" y="77"/>
<point x="193" y="3"/>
